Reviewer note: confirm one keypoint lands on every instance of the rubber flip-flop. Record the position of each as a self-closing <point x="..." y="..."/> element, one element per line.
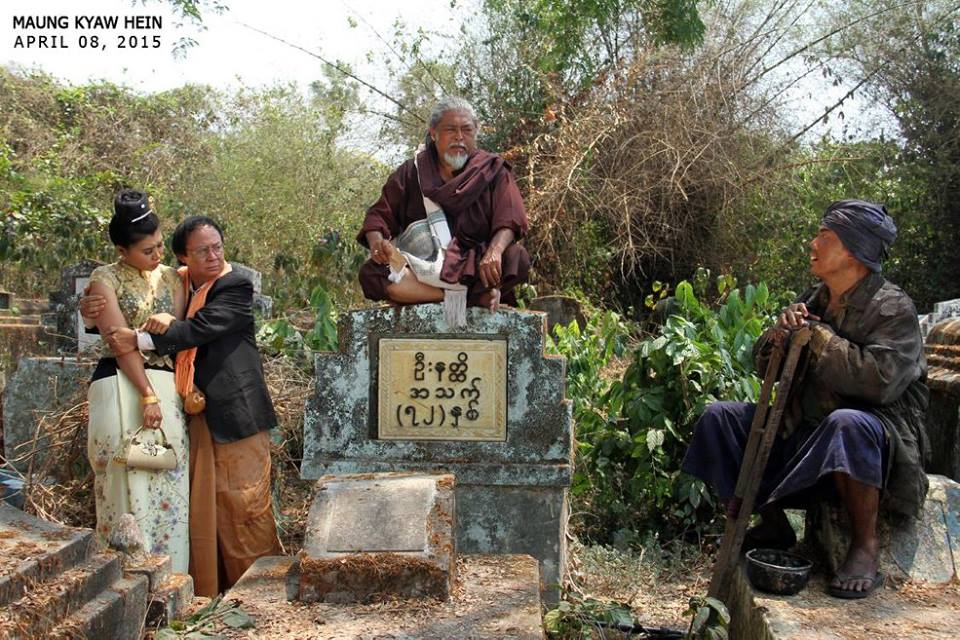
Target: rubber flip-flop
<point x="849" y="594"/>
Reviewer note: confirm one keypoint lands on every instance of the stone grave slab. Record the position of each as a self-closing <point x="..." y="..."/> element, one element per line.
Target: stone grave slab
<point x="497" y="598"/>
<point x="381" y="533"/>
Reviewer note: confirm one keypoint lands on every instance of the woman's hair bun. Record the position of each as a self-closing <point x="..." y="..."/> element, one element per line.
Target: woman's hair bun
<point x="132" y="206"/>
<point x="133" y="218"/>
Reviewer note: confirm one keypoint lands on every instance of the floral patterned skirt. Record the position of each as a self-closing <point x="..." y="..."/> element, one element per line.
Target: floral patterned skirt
<point x="158" y="500"/>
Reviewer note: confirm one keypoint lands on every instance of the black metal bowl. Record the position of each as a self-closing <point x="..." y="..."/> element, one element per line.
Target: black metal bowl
<point x="776" y="571"/>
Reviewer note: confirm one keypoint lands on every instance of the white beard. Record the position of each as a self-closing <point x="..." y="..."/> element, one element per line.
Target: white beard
<point x="455" y="162"/>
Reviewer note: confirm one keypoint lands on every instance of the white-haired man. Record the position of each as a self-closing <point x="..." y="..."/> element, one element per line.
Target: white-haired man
<point x="479" y="196"/>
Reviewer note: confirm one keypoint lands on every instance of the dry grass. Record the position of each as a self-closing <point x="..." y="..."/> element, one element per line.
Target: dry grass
<point x="656" y="585"/>
<point x="58" y="481"/>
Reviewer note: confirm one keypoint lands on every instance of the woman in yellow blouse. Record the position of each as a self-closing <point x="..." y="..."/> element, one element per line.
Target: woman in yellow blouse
<point x="138" y="388"/>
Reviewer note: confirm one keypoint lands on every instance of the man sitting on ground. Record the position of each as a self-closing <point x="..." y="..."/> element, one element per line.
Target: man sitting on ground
<point x="483" y="208"/>
<point x="854" y="421"/>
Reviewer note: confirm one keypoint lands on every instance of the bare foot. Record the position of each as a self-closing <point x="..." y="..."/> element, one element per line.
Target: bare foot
<point x="489" y="299"/>
<point x="396" y="259"/>
<point x="858" y="572"/>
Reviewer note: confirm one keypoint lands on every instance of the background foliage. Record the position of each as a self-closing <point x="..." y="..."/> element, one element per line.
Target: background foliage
<point x="266" y="163"/>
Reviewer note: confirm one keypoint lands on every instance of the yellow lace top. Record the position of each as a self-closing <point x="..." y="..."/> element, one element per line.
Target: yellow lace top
<point x="140" y="294"/>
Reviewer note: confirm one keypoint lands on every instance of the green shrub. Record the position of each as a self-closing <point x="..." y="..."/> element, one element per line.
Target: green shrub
<point x="632" y="431"/>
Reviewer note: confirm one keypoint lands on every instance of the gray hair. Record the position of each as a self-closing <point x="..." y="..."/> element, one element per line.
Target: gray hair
<point x="451" y="103"/>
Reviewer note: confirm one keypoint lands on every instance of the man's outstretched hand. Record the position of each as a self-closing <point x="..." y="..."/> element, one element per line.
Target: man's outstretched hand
<point x="91" y="306"/>
<point x="121" y="340"/>
<point x="158" y="323"/>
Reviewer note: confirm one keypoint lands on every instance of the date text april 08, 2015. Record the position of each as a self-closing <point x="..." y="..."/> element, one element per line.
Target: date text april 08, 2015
<point x="86" y="32"/>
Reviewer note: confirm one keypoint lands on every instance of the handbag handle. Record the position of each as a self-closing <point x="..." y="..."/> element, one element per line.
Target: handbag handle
<point x="163" y="441"/>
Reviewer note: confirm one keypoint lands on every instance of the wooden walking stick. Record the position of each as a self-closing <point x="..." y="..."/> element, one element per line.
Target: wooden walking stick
<point x="763" y="431"/>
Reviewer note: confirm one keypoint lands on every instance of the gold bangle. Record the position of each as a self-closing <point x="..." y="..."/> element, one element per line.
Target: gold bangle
<point x="151" y="399"/>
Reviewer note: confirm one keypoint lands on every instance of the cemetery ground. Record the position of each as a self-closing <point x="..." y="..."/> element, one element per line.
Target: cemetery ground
<point x="656" y="581"/>
<point x="656" y="578"/>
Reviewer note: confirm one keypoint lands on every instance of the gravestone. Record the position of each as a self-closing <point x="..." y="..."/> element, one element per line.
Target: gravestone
<point x="406" y="393"/>
<point x="39" y="387"/>
<point x="942" y="350"/>
<point x="261" y="303"/>
<point x="560" y="310"/>
<point x="944" y="310"/>
<point x="65" y="315"/>
<point x="381" y="534"/>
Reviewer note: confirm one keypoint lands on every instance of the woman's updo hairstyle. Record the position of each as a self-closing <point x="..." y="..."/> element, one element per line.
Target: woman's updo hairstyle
<point x="133" y="218"/>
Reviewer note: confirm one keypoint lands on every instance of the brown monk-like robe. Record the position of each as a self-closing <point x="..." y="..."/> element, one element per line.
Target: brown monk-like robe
<point x="479" y="200"/>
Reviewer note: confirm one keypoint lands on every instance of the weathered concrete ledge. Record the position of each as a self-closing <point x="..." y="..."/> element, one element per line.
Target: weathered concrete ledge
<point x="913" y="610"/>
<point x="497" y="599"/>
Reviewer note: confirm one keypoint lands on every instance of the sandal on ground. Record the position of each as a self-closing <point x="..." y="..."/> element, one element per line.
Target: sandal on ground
<point x="767" y="537"/>
<point x="849" y="594"/>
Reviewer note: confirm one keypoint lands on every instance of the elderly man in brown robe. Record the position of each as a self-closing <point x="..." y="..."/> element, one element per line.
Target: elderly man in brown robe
<point x="483" y="207"/>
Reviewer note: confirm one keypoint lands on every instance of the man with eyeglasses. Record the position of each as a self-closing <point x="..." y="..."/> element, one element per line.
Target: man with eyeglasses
<point x="485" y="217"/>
<point x="220" y="375"/>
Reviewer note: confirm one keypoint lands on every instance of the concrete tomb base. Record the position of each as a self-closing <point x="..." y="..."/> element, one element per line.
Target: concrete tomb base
<point x="942" y="350"/>
<point x="380" y="534"/>
<point x="910" y="610"/>
<point x="512" y="471"/>
<point x="496" y="598"/>
<point x="927" y="549"/>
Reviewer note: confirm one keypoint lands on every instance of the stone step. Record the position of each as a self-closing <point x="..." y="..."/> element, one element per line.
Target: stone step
<point x="9" y="319"/>
<point x="49" y="602"/>
<point x="34" y="550"/>
<point x="36" y="306"/>
<point x="169" y="600"/>
<point x="156" y="568"/>
<point x="116" y="613"/>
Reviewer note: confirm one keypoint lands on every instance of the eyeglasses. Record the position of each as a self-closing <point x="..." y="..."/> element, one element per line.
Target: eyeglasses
<point x="203" y="252"/>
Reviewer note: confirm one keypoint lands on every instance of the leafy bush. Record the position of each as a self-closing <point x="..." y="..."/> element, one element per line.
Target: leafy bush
<point x="632" y="432"/>
<point x="282" y="337"/>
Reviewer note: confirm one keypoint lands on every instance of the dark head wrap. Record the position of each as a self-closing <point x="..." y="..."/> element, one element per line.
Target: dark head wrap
<point x="132" y="206"/>
<point x="864" y="228"/>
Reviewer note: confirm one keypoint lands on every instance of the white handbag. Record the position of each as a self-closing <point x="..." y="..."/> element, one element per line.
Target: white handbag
<point x="152" y="455"/>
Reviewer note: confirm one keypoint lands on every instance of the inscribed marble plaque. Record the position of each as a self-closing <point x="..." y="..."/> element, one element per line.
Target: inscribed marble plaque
<point x="442" y="389"/>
